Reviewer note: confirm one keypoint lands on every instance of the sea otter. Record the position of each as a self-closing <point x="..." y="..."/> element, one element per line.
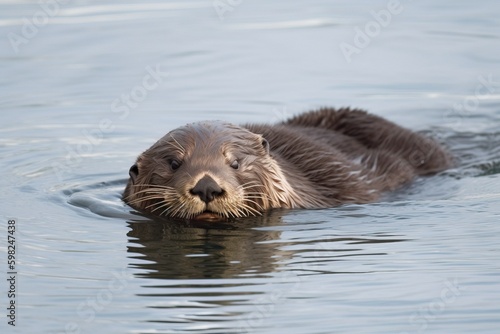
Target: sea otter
<point x="318" y="159"/>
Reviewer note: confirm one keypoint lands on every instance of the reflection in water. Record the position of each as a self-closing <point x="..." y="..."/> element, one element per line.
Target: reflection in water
<point x="197" y="261"/>
<point x="195" y="250"/>
<point x="229" y="277"/>
<point x="241" y="249"/>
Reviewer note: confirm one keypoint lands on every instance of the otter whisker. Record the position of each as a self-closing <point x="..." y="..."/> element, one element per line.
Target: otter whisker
<point x="250" y="186"/>
<point x="243" y="211"/>
<point x="236" y="213"/>
<point x="258" y="205"/>
<point x="164" y="212"/>
<point x="174" y="211"/>
<point x="251" y="200"/>
<point x="151" y="186"/>
<point x="155" y="204"/>
<point x="163" y="205"/>
<point x="170" y="207"/>
<point x="226" y="214"/>
<point x="158" y="190"/>
<point x="150" y="192"/>
<point x="253" y="196"/>
<point x="250" y="209"/>
<point x="144" y="199"/>
<point x="250" y="183"/>
<point x="258" y="194"/>
<point x="156" y="195"/>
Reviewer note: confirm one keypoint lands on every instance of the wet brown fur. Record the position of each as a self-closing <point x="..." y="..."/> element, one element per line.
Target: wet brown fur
<point x="317" y="159"/>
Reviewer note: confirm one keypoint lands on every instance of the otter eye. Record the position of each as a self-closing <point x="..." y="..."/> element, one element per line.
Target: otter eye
<point x="133" y="172"/>
<point x="174" y="164"/>
<point x="235" y="164"/>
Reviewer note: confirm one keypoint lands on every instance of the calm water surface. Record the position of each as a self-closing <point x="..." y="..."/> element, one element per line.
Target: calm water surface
<point x="86" y="86"/>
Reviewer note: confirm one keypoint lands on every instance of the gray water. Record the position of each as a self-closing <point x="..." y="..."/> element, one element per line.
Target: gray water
<point x="79" y="103"/>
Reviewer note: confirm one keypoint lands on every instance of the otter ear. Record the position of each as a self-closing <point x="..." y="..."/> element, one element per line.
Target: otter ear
<point x="133" y="172"/>
<point x="265" y="144"/>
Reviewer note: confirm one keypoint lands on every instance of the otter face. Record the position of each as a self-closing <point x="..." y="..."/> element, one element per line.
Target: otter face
<point x="206" y="170"/>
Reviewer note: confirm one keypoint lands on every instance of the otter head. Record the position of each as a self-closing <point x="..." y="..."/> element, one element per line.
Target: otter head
<point x="206" y="170"/>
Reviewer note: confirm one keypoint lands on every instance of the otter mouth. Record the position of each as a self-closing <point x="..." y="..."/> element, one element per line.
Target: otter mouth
<point x="208" y="216"/>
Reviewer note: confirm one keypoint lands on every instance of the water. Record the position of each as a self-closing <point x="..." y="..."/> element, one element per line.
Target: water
<point x="85" y="93"/>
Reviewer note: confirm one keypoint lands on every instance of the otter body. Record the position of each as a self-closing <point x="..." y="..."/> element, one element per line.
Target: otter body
<point x="319" y="159"/>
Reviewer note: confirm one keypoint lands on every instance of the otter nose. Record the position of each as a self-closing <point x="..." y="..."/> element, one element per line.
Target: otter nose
<point x="207" y="189"/>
